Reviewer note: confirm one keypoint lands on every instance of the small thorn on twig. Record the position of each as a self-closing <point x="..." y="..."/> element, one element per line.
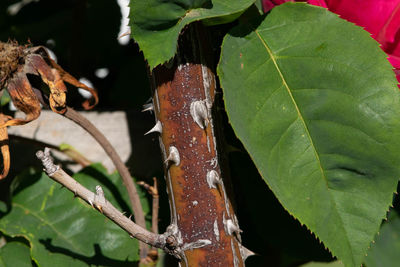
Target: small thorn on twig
<point x="157" y="128"/>
<point x="99" y="198"/>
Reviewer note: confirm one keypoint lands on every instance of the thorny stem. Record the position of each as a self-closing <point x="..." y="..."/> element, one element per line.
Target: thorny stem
<point x="183" y="103"/>
<point x="119" y="164"/>
<point x="98" y="201"/>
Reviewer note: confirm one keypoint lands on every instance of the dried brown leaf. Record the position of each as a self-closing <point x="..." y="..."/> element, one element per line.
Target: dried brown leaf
<point x="52" y="78"/>
<point x="23" y="98"/>
<point x="4" y="148"/>
<point x="66" y="77"/>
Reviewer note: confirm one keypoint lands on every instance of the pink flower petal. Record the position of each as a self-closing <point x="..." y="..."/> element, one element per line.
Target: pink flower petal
<point x="269" y="4"/>
<point x="318" y="3"/>
<point x="378" y="17"/>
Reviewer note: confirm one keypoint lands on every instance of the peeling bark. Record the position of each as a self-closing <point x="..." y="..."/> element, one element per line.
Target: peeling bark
<point x="184" y="95"/>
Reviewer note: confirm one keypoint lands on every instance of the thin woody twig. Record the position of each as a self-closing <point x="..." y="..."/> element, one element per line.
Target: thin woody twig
<point x="98" y="201"/>
<point x="152" y="256"/>
<point x="153" y="191"/>
<point x="119" y="164"/>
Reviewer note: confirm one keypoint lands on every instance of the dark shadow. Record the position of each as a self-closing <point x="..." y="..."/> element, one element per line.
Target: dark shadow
<point x="98" y="259"/>
<point x="247" y="26"/>
<point x="145" y="160"/>
<point x="23" y="181"/>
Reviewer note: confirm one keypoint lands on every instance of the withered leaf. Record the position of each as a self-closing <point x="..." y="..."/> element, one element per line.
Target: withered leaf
<point x="23" y="98"/>
<point x="15" y="63"/>
<point x="4" y="148"/>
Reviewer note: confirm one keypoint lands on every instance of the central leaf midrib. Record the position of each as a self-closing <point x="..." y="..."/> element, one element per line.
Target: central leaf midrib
<point x="305" y="127"/>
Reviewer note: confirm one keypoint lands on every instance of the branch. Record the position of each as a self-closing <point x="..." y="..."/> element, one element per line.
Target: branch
<point x="153" y="191"/>
<point x="119" y="164"/>
<point x="167" y="241"/>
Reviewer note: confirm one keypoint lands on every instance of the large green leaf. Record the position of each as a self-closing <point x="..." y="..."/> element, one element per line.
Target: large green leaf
<point x="64" y="231"/>
<point x="316" y="104"/>
<point x="15" y="254"/>
<point x="385" y="252"/>
<point x="156" y="24"/>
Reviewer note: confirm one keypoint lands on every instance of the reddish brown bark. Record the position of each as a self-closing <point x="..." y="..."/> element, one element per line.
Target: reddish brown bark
<point x="199" y="205"/>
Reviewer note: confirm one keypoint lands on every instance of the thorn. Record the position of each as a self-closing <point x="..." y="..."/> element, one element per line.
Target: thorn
<point x="148" y="107"/>
<point x="212" y="179"/>
<point x="232" y="228"/>
<point x="199" y="112"/>
<point x="245" y="252"/>
<point x="130" y="216"/>
<point x="99" y="208"/>
<point x="157" y="128"/>
<point x="99" y="198"/>
<point x="128" y="32"/>
<point x="229" y="226"/>
<point x="173" y="156"/>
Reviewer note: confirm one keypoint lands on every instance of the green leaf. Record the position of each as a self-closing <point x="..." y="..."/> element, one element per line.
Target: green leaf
<point x="385" y="252"/>
<point x="15" y="254"/>
<point x="316" y="104"/>
<point x="156" y="24"/>
<point x="64" y="231"/>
